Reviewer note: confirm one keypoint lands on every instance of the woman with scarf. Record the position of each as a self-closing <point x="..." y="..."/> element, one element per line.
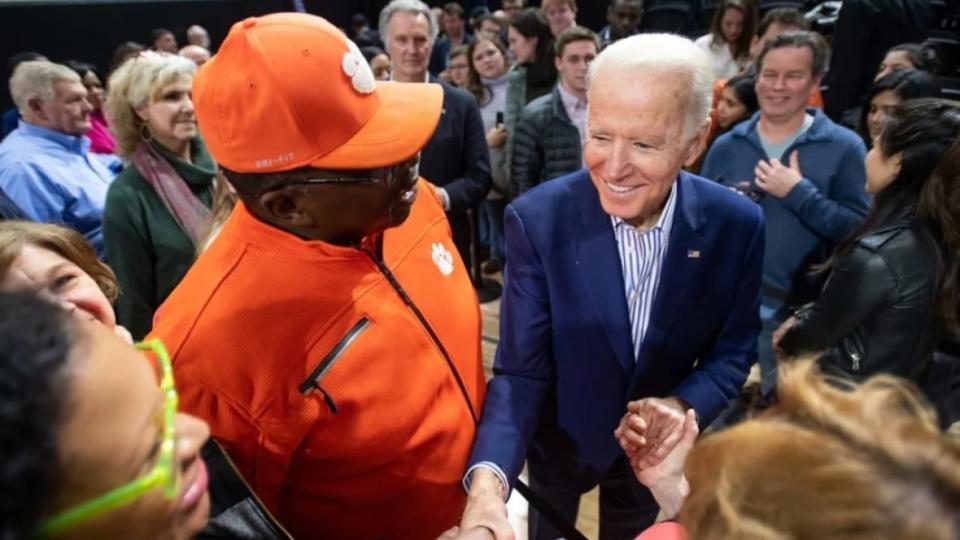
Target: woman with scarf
<point x="158" y="208"/>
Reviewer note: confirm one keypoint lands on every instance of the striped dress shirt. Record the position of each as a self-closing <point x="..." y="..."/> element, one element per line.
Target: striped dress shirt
<point x="641" y="257"/>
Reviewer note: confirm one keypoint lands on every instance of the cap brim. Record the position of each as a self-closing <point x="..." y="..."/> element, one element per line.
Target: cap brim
<point x="403" y="124"/>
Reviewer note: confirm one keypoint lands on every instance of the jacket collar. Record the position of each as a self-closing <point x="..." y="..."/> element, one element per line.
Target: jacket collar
<point x="558" y="109"/>
<point x="77" y="144"/>
<point x="820" y="130"/>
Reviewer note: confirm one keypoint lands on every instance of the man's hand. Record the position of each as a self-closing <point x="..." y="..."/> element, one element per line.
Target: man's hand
<point x="486" y="508"/>
<point x="777" y="179"/>
<point x="651" y="429"/>
<point x="665" y="479"/>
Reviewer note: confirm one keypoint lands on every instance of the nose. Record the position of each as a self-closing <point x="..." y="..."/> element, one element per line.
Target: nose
<point x="779" y="83"/>
<point x="617" y="163"/>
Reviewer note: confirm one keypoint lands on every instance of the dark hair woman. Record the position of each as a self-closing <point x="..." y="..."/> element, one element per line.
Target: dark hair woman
<point x="888" y="93"/>
<point x="90" y="444"/>
<point x="894" y="284"/>
<point x="532" y="44"/>
<point x="731" y="32"/>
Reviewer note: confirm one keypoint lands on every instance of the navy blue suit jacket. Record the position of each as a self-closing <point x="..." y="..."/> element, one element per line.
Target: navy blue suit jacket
<point x="565" y="366"/>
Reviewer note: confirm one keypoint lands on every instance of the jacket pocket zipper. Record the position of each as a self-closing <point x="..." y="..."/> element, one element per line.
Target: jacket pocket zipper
<point x="312" y="382"/>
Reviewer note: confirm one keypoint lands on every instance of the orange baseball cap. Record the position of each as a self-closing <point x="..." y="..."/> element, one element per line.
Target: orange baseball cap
<point x="289" y="90"/>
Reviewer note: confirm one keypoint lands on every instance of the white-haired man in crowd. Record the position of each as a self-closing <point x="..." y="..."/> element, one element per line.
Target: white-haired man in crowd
<point x="197" y="35"/>
<point x="46" y="167"/>
<point x="631" y="301"/>
<point x="195" y="53"/>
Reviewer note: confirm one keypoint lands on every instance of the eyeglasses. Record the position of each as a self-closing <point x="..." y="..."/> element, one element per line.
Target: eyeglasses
<point x="457" y="67"/>
<point x="165" y="474"/>
<point x="406" y="173"/>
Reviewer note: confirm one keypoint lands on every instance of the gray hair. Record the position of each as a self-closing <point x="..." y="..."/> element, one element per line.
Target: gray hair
<point x="35" y="79"/>
<point x="409" y="6"/>
<point x="661" y="54"/>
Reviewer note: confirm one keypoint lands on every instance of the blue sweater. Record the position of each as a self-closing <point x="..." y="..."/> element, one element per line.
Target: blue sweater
<point x="828" y="203"/>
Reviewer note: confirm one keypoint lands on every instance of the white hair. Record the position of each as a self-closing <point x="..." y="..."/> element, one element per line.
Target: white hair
<point x="659" y="55"/>
<point x="35" y="79"/>
<point x="408" y="6"/>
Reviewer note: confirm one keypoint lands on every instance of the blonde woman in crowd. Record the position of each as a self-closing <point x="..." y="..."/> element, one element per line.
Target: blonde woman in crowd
<point x="158" y="209"/>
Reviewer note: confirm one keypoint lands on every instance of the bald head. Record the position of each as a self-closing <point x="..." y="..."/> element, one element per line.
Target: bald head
<point x="198" y="54"/>
<point x="197" y="35"/>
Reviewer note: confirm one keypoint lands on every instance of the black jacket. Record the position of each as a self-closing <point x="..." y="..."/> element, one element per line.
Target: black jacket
<point x="546" y="144"/>
<point x="456" y="157"/>
<point x="235" y="511"/>
<point x="878" y="311"/>
<point x="865" y="30"/>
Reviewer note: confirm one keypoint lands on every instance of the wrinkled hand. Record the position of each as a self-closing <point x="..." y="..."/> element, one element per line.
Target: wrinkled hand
<point x="670" y="469"/>
<point x="486" y="508"/>
<point x="781" y="331"/>
<point x="496" y="137"/>
<point x="666" y="479"/>
<point x="650" y="429"/>
<point x="777" y="179"/>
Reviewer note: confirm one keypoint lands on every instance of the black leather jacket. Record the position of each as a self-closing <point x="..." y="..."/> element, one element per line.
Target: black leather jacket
<point x="878" y="310"/>
<point x="235" y="511"/>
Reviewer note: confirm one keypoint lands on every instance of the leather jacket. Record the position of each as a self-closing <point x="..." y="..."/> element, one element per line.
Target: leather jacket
<point x="878" y="310"/>
<point x="235" y="511"/>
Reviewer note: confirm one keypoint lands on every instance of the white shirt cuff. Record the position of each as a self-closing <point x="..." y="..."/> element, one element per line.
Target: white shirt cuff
<point x="496" y="470"/>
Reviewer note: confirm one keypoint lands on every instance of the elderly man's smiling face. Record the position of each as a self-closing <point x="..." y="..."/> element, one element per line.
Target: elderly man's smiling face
<point x="636" y="144"/>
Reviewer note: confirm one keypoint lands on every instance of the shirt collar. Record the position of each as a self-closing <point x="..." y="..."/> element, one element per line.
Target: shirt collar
<point x="570" y="101"/>
<point x="77" y="144"/>
<point x="664" y="223"/>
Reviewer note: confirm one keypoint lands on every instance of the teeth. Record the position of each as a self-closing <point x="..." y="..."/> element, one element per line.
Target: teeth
<point x="409" y="196"/>
<point x="616" y="189"/>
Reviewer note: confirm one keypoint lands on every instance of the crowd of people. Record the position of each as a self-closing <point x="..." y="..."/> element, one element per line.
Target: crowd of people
<point x="235" y="303"/>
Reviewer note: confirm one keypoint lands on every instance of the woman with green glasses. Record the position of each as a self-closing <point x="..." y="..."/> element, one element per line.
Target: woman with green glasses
<point x="91" y="445"/>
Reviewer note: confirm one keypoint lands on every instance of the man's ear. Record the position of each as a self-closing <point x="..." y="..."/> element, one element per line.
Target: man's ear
<point x="699" y="143"/>
<point x="35" y="105"/>
<point x="283" y="206"/>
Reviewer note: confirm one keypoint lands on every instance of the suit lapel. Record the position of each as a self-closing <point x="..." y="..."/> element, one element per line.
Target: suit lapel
<point x="599" y="262"/>
<point x="680" y="266"/>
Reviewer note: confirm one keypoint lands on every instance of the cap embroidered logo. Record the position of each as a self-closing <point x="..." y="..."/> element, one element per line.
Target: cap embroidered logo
<point x="358" y="70"/>
<point x="443" y="259"/>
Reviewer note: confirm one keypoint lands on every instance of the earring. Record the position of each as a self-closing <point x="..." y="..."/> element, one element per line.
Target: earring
<point x="145" y="134"/>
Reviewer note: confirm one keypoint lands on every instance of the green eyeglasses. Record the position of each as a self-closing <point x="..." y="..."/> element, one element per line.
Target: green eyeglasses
<point x="164" y="474"/>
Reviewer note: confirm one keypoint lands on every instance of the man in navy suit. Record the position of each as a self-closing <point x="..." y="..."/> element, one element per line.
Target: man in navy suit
<point x="630" y="282"/>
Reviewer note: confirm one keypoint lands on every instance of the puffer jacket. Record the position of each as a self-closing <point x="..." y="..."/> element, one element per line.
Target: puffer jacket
<point x="878" y="311"/>
<point x="546" y="144"/>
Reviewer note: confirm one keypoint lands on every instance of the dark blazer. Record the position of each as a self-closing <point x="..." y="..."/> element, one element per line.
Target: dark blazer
<point x="565" y="366"/>
<point x="546" y="144"/>
<point x="456" y="158"/>
<point x="879" y="310"/>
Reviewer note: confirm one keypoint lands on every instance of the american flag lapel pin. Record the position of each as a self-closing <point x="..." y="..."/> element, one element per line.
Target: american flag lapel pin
<point x="693" y="253"/>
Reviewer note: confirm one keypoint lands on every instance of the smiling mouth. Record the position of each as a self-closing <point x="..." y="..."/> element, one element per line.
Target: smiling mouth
<point x="620" y="190"/>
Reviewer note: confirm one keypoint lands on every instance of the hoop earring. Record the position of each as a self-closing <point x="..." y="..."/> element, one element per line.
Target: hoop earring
<point x="145" y="134"/>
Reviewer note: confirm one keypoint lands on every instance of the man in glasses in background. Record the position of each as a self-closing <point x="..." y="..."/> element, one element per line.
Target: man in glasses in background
<point x="330" y="335"/>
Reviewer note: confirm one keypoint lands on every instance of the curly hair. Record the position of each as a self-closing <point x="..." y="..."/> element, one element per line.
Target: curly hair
<point x="36" y="339"/>
<point x="830" y="460"/>
<point x="67" y="243"/>
<point x="134" y="84"/>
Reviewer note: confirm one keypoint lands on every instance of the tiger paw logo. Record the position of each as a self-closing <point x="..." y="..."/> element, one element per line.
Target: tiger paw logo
<point x="443" y="259"/>
<point x="356" y="67"/>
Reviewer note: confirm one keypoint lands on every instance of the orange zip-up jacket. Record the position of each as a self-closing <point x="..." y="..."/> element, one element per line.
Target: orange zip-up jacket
<point x="345" y="391"/>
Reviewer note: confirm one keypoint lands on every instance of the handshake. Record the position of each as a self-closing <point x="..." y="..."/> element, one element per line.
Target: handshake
<point x="656" y="435"/>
